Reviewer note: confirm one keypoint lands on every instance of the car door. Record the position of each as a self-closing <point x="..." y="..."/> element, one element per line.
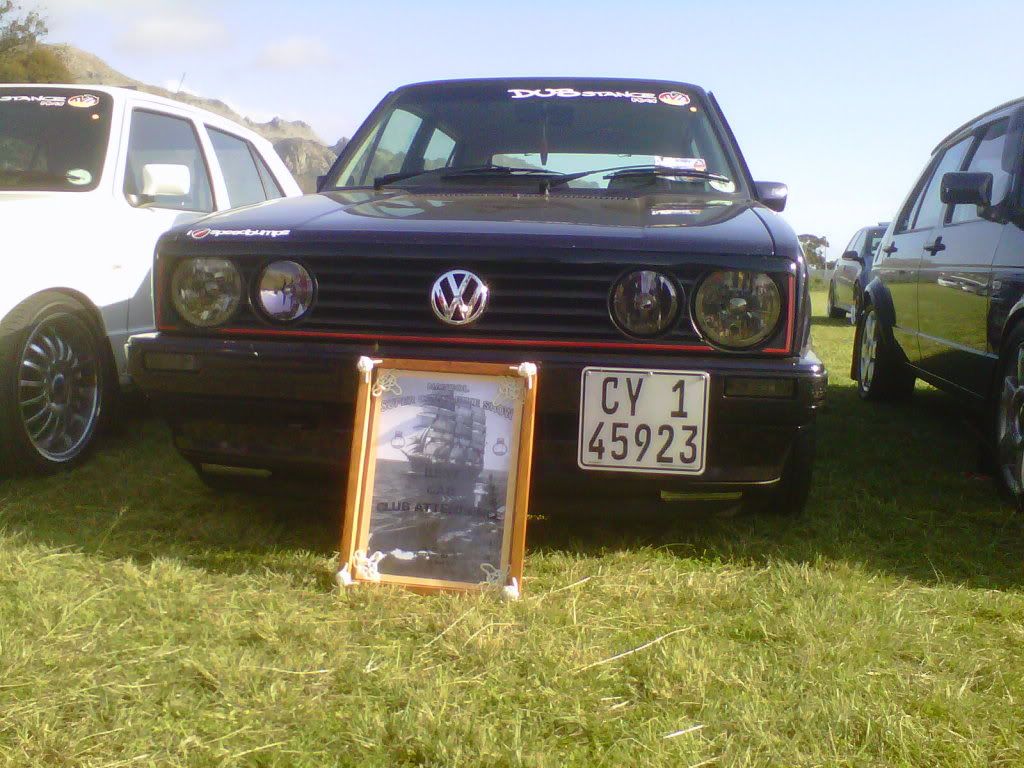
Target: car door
<point x="847" y="271"/>
<point x="899" y="260"/>
<point x="154" y="136"/>
<point x="955" y="279"/>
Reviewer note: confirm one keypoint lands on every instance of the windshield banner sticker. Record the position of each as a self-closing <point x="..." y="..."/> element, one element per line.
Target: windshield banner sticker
<point x="672" y="98"/>
<point x="698" y="164"/>
<point x="84" y="101"/>
<point x="202" y="234"/>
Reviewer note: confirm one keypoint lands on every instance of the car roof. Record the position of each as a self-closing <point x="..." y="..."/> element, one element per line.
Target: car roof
<point x="126" y="93"/>
<point x="970" y="124"/>
<point x="553" y="81"/>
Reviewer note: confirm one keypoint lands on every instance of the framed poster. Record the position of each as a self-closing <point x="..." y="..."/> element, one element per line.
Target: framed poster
<point x="439" y="479"/>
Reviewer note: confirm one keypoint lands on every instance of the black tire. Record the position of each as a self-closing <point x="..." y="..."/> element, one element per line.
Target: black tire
<point x="788" y="497"/>
<point x="1005" y="432"/>
<point x="831" y="309"/>
<point x="56" y="384"/>
<point x="880" y="373"/>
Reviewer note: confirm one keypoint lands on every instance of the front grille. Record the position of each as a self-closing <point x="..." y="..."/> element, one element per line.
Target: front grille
<point x="529" y="299"/>
<point x="544" y="297"/>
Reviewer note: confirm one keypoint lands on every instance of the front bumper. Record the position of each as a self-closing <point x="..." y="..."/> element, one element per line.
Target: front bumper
<point x="289" y="406"/>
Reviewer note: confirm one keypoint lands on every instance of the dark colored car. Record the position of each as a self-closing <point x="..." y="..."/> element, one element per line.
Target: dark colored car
<point x="604" y="229"/>
<point x="946" y="303"/>
<point x="852" y="272"/>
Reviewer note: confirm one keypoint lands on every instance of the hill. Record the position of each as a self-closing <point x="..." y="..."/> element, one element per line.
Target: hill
<point x="302" y="150"/>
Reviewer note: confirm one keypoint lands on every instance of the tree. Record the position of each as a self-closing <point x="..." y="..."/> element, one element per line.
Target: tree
<point x="22" y="59"/>
<point x="814" y="250"/>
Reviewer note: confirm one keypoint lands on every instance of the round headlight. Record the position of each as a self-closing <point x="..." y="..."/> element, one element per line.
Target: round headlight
<point x="736" y="309"/>
<point x="285" y="291"/>
<point x="645" y="303"/>
<point x="206" y="291"/>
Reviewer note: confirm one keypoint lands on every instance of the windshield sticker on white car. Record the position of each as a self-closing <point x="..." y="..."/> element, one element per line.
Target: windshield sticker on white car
<point x="84" y="101"/>
<point x="674" y="98"/>
<point x="698" y="164"/>
<point x="43" y="101"/>
<point x="637" y="97"/>
<point x="202" y="234"/>
<point x="79" y="177"/>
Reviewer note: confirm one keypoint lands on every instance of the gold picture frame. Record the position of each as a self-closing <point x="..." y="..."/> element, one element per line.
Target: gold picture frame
<point x="439" y="475"/>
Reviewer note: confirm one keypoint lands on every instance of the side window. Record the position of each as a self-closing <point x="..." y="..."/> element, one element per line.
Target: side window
<point x="932" y="210"/>
<point x="988" y="158"/>
<point x="392" y="143"/>
<point x="241" y="176"/>
<point x="158" y="139"/>
<point x="906" y="216"/>
<point x="439" y="150"/>
<point x="270" y="185"/>
<point x="857" y="244"/>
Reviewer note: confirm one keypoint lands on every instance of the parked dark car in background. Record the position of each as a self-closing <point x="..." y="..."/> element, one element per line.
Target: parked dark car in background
<point x="946" y="303"/>
<point x="608" y="230"/>
<point x="852" y="271"/>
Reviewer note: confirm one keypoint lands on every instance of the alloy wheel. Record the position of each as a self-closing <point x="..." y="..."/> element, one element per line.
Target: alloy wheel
<point x="1011" y="426"/>
<point x="58" y="388"/>
<point x="868" y="350"/>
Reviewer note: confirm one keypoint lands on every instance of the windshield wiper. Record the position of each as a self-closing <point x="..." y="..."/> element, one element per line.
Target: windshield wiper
<point x="468" y="172"/>
<point x="641" y="170"/>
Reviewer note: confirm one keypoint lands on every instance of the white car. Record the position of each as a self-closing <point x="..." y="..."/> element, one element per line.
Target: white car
<point x="90" y="177"/>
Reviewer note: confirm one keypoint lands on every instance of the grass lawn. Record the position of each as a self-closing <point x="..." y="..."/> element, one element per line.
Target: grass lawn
<point x="146" y="621"/>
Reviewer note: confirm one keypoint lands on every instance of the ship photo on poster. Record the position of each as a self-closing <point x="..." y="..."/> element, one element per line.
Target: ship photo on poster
<point x="443" y="458"/>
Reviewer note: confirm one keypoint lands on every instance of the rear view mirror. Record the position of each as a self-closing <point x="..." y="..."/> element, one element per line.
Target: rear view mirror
<point x="967" y="189"/>
<point x="773" y="194"/>
<point x="853" y="256"/>
<point x="161" y="180"/>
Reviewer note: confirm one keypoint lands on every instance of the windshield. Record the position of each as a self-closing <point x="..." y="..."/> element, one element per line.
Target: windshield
<point x="52" y="139"/>
<point x="425" y="134"/>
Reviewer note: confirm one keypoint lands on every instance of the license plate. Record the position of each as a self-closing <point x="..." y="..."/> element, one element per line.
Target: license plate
<point x="634" y="420"/>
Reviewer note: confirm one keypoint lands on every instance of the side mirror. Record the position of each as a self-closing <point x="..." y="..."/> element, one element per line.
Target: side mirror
<point x="160" y="180"/>
<point x="853" y="256"/>
<point x="773" y="194"/>
<point x="967" y="189"/>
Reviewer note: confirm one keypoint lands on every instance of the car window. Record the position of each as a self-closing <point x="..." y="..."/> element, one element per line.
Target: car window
<point x="857" y="243"/>
<point x="389" y="146"/>
<point x="988" y="158"/>
<point x="931" y="211"/>
<point x="158" y="139"/>
<point x="270" y="185"/>
<point x="241" y="176"/>
<point x="874" y="239"/>
<point x="439" y="150"/>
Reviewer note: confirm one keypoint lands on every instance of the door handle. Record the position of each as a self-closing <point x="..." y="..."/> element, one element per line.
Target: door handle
<point x="935" y="247"/>
<point x="890" y="249"/>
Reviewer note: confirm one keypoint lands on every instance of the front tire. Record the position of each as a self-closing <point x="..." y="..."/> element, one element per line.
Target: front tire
<point x="54" y="381"/>
<point x="1007" y="421"/>
<point x="880" y="373"/>
<point x="831" y="309"/>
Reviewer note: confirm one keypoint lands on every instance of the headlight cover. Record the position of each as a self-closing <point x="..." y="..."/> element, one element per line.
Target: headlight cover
<point x="737" y="309"/>
<point x="645" y="303"/>
<point x="286" y="291"/>
<point x="206" y="291"/>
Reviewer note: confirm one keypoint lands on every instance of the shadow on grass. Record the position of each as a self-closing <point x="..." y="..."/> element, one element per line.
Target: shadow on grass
<point x="830" y="322"/>
<point x="895" y="491"/>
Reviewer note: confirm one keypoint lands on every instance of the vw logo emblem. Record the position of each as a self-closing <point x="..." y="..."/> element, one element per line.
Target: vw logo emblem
<point x="459" y="297"/>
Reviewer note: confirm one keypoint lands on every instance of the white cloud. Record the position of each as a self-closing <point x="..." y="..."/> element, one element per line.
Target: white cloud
<point x="171" y="32"/>
<point x="295" y="53"/>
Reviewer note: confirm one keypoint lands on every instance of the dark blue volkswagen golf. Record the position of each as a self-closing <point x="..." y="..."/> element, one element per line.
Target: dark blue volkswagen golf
<point x="608" y="230"/>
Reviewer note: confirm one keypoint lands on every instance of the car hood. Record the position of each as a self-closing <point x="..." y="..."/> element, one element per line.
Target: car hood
<point x="649" y="222"/>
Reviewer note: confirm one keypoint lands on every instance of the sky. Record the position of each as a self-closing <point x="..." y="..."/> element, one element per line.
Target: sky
<point x="843" y="101"/>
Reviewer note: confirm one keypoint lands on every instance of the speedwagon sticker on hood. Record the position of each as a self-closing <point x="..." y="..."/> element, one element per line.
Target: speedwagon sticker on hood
<point x="202" y="234"/>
